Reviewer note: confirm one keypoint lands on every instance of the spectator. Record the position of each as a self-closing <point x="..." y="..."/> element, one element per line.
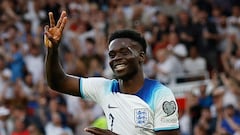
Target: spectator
<point x="231" y="120"/>
<point x="23" y="119"/>
<point x="4" y="113"/>
<point x="55" y="126"/>
<point x="194" y="64"/>
<point x="95" y="68"/>
<point x="185" y="29"/>
<point x="34" y="130"/>
<point x="20" y="128"/>
<point x="178" y="50"/>
<point x="164" y="66"/>
<point x="207" y="121"/>
<point x="34" y="63"/>
<point x="206" y="39"/>
<point x="205" y="99"/>
<point x="16" y="62"/>
<point x="171" y="8"/>
<point x="86" y="118"/>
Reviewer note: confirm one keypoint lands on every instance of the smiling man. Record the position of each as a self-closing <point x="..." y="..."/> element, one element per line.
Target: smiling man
<point x="133" y="104"/>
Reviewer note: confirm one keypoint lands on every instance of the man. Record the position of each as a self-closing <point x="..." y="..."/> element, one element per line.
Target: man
<point x="132" y="104"/>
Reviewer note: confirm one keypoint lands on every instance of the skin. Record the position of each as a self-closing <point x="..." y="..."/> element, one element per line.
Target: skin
<point x="121" y="51"/>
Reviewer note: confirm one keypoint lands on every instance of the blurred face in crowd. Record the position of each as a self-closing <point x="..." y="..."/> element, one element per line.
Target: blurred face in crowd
<point x="222" y="21"/>
<point x="173" y="38"/>
<point x="193" y="52"/>
<point x="19" y="125"/>
<point x="124" y="57"/>
<point x="53" y="105"/>
<point x="203" y="16"/>
<point x="33" y="130"/>
<point x="56" y="119"/>
<point x="229" y="110"/>
<point x="35" y="50"/>
<point x="202" y="89"/>
<point x="183" y="17"/>
<point x="162" y="20"/>
<point x="161" y="55"/>
<point x="216" y="12"/>
<point x="235" y="11"/>
<point x="206" y="113"/>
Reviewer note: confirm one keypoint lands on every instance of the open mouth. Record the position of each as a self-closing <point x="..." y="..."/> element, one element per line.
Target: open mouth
<point x="119" y="67"/>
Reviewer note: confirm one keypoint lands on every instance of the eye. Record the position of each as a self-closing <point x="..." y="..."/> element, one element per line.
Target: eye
<point x="111" y="54"/>
<point x="125" y="52"/>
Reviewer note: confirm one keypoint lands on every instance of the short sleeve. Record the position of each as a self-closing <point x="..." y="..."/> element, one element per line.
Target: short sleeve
<point x="166" y="111"/>
<point x="94" y="88"/>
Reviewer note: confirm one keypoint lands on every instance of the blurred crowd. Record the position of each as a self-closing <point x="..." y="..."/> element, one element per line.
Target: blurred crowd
<point x="185" y="37"/>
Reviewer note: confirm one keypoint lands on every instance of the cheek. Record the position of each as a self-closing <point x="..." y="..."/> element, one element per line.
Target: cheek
<point x="110" y="63"/>
<point x="134" y="62"/>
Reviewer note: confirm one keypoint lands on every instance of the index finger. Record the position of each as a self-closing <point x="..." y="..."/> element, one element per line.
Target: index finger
<point x="62" y="25"/>
<point x="51" y="19"/>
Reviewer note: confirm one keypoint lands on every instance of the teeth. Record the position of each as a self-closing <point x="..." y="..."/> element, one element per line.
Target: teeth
<point x="119" y="67"/>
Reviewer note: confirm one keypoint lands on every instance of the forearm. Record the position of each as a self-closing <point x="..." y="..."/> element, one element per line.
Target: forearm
<point x="54" y="72"/>
<point x="232" y="124"/>
<point x="57" y="79"/>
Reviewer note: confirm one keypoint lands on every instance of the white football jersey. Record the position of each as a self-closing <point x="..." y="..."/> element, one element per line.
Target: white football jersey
<point x="152" y="108"/>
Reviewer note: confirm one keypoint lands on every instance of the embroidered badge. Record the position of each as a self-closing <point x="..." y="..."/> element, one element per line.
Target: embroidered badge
<point x="169" y="107"/>
<point x="141" y="116"/>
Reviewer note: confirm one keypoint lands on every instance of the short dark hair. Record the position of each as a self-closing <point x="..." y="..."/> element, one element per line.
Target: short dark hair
<point x="131" y="34"/>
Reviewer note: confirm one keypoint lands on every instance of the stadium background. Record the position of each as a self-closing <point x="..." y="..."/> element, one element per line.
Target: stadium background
<point x="193" y="47"/>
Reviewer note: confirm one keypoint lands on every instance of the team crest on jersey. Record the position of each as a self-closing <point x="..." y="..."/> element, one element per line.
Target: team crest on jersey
<point x="141" y="116"/>
<point x="169" y="107"/>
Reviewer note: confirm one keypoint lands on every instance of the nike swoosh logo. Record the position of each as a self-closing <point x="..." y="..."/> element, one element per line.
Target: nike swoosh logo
<point x="111" y="107"/>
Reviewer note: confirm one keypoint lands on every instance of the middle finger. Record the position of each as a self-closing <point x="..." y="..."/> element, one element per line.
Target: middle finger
<point x="61" y="19"/>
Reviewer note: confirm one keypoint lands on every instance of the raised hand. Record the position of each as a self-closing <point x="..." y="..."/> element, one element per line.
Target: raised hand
<point x="53" y="33"/>
<point x="98" y="131"/>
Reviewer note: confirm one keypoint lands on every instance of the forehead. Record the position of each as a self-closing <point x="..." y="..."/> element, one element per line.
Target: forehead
<point x="120" y="43"/>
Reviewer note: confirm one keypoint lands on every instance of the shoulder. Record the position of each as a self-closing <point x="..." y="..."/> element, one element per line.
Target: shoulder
<point x="156" y="86"/>
<point x="97" y="79"/>
<point x="98" y="83"/>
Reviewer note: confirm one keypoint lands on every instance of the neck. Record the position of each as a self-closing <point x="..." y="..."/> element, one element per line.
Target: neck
<point x="132" y="85"/>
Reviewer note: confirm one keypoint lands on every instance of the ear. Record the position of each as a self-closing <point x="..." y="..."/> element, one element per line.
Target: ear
<point x="142" y="57"/>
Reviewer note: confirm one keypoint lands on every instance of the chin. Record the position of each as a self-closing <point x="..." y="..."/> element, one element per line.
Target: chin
<point x="124" y="77"/>
<point x="118" y="76"/>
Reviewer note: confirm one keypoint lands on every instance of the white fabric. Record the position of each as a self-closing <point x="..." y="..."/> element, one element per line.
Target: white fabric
<point x="56" y="130"/>
<point x="130" y="114"/>
<point x="35" y="66"/>
<point x="195" y="66"/>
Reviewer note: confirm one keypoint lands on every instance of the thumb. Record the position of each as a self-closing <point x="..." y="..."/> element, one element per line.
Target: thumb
<point x="47" y="37"/>
<point x="47" y="42"/>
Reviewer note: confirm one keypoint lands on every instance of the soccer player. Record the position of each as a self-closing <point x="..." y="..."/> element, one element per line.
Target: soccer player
<point x="133" y="104"/>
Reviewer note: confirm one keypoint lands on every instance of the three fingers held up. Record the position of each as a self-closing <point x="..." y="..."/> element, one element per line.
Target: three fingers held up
<point x="53" y="34"/>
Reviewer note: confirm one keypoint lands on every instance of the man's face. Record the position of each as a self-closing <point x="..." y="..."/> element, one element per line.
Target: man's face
<point x="125" y="58"/>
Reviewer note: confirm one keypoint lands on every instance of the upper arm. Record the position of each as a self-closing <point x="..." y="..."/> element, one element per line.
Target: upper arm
<point x="170" y="132"/>
<point x="166" y="111"/>
<point x="94" y="88"/>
